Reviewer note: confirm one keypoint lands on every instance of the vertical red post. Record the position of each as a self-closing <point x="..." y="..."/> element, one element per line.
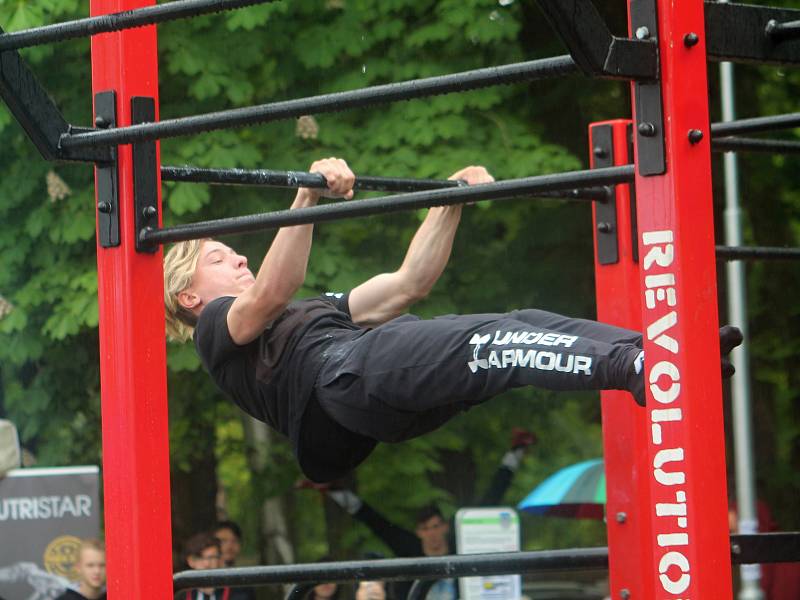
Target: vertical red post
<point x="132" y="348"/>
<point x="689" y="543"/>
<point x="624" y="422"/>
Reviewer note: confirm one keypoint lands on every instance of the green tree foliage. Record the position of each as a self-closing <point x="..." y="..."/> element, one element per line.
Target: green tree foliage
<point x="507" y="255"/>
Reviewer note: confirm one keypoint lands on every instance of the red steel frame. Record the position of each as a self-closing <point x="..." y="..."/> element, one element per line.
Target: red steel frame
<point x="624" y="426"/>
<point x="132" y="348"/>
<point x="679" y="490"/>
<point x="665" y="464"/>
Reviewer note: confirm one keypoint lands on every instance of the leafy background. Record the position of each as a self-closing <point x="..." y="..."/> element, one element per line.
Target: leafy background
<point x="507" y="255"/>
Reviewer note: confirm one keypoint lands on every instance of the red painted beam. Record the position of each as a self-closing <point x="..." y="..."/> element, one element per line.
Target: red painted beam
<point x="688" y="543"/>
<point x="132" y="348"/>
<point x="624" y="423"/>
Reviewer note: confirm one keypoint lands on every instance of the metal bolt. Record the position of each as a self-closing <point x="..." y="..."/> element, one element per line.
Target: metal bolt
<point x="624" y="593"/>
<point x="642" y="33"/>
<point x="148" y="212"/>
<point x="599" y="152"/>
<point x="691" y="39"/>
<point x="104" y="207"/>
<point x="769" y="29"/>
<point x="695" y="136"/>
<point x="100" y="122"/>
<point x="605" y="227"/>
<point x="647" y="129"/>
<point x="622" y="517"/>
<point x="736" y="549"/>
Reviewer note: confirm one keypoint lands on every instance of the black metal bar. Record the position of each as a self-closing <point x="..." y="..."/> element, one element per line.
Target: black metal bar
<point x="501" y="190"/>
<point x="295" y="179"/>
<point x="741" y="33"/>
<point x="745" y="549"/>
<point x="755" y="125"/>
<point x="763" y="548"/>
<point x="416" y="88"/>
<point x="149" y="15"/>
<point x="757" y="253"/>
<point x="596" y="51"/>
<point x="742" y="144"/>
<point x="36" y="112"/>
<point x="398" y="569"/>
<point x="779" y="32"/>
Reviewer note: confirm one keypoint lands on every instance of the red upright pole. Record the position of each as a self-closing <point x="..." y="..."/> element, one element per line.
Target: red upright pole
<point x="132" y="348"/>
<point x="689" y="543"/>
<point x="624" y="423"/>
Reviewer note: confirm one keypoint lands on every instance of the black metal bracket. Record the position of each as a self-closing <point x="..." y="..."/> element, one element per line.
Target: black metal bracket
<point x="105" y="110"/>
<point x="650" y="149"/>
<point x="605" y="213"/>
<point x="36" y="112"/>
<point x="594" y="49"/>
<point x="755" y="34"/>
<point x="145" y="174"/>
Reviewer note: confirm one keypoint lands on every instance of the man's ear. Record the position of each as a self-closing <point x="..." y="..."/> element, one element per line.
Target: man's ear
<point x="188" y="299"/>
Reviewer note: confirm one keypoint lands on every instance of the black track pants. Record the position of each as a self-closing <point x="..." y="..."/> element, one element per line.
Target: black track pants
<point x="409" y="376"/>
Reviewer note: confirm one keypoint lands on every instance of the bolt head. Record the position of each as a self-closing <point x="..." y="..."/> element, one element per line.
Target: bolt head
<point x="695" y="136"/>
<point x="642" y="33"/>
<point x="599" y="152"/>
<point x="100" y="122"/>
<point x="624" y="594"/>
<point x="691" y="39"/>
<point x="104" y="207"/>
<point x="646" y="129"/>
<point x="621" y="517"/>
<point x="149" y="212"/>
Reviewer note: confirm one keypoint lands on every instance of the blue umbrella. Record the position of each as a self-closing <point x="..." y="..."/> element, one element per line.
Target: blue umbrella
<point x="577" y="491"/>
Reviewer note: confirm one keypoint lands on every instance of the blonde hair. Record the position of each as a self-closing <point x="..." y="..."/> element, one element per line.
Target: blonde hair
<point x="91" y="544"/>
<point x="180" y="263"/>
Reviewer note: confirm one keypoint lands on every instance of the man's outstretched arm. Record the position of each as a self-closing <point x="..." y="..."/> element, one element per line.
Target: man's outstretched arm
<point x="283" y="269"/>
<point x="389" y="295"/>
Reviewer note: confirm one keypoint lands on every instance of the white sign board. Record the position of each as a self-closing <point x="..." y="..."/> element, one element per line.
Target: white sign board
<point x="483" y="531"/>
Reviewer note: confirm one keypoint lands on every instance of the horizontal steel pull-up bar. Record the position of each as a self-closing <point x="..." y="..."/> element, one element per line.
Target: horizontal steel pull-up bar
<point x="743" y="144"/>
<point x="778" y="32"/>
<point x="745" y="549"/>
<point x="757" y="253"/>
<point x="149" y="15"/>
<point x="416" y="88"/>
<point x="295" y="179"/>
<point x="500" y="190"/>
<point x="398" y="569"/>
<point x="756" y="125"/>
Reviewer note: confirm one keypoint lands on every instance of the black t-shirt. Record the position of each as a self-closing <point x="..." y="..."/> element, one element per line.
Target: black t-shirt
<point x="272" y="378"/>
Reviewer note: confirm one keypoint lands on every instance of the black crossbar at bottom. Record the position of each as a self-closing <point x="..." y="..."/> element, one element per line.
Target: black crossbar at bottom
<point x="745" y="549"/>
<point x="398" y="569"/>
<point x="757" y="253"/>
<point x="500" y="190"/>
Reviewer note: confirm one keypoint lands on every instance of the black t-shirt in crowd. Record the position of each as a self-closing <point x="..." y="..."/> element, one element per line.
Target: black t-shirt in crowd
<point x="272" y="378"/>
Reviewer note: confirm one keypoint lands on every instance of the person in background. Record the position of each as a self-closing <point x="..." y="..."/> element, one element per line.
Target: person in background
<point x="202" y="551"/>
<point x="371" y="590"/>
<point x="229" y="535"/>
<point x="91" y="568"/>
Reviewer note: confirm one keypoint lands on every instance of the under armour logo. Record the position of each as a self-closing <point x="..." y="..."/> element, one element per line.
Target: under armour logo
<point x="478" y="341"/>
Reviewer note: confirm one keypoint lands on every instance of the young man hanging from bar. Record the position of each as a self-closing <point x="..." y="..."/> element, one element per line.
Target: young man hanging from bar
<point x="341" y="372"/>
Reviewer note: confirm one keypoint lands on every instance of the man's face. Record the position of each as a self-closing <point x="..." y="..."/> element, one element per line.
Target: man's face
<point x="230" y="545"/>
<point x="92" y="568"/>
<point x="220" y="272"/>
<point x="210" y="558"/>
<point x="433" y="535"/>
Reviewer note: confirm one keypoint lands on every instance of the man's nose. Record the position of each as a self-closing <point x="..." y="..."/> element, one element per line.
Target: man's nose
<point x="241" y="261"/>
